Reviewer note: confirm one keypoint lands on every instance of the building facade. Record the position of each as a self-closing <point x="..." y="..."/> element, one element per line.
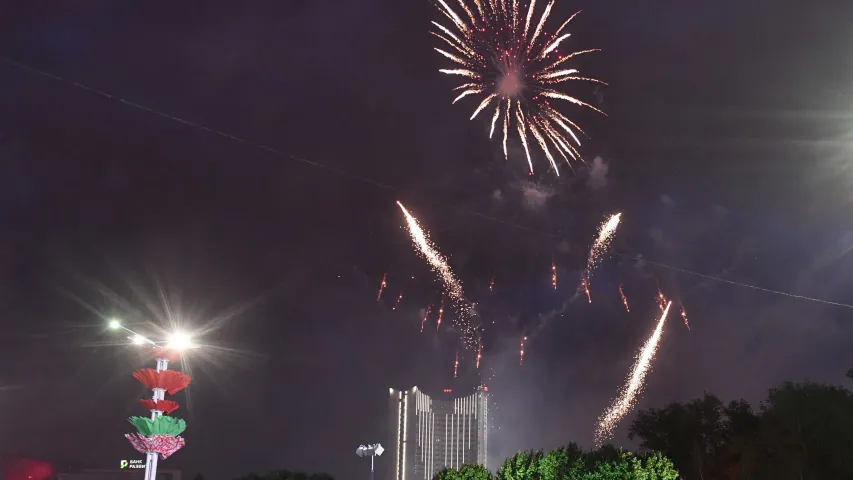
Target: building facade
<point x="433" y="432"/>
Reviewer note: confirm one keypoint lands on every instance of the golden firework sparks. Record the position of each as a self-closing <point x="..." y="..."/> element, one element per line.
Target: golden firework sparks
<point x="492" y="48"/>
<point x="633" y="386"/>
<point x="624" y="299"/>
<point x="465" y="312"/>
<point x="382" y="286"/>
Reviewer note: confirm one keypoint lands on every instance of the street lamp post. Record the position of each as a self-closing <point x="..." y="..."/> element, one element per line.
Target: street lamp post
<point x="159" y="443"/>
<point x="372" y="451"/>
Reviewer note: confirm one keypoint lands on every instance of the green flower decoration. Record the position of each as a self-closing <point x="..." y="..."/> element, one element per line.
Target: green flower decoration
<point x="163" y="425"/>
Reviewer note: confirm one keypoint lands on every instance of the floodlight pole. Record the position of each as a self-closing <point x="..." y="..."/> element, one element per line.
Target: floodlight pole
<point x="372" y="450"/>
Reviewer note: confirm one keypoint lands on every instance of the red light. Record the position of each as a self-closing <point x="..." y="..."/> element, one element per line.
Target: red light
<point x="447" y="390"/>
<point x="485" y="388"/>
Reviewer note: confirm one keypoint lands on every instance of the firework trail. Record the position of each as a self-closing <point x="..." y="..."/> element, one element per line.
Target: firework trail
<point x="521" y="353"/>
<point x="382" y="286"/>
<point x="440" y="314"/>
<point x="492" y="284"/>
<point x="479" y="354"/>
<point x="606" y="231"/>
<point x="634" y="386"/>
<point x="684" y="314"/>
<point x="456" y="365"/>
<point x="397" y="303"/>
<point x="464" y="310"/>
<point x="554" y="275"/>
<point x="624" y="299"/>
<point x="515" y="70"/>
<point x="585" y="288"/>
<point x="426" y="315"/>
<point x="661" y="300"/>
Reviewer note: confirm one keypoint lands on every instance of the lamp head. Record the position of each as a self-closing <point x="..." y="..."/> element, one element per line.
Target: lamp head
<point x="180" y="341"/>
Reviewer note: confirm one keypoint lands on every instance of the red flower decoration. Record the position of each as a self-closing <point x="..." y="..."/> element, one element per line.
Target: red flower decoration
<point x="169" y="354"/>
<point x="164" y="445"/>
<point x="169" y="380"/>
<point x="165" y="406"/>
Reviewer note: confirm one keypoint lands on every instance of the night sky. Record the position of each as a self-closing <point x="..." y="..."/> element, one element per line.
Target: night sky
<point x="727" y="148"/>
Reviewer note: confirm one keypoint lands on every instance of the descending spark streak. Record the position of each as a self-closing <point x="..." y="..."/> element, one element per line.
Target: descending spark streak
<point x="507" y="55"/>
<point x="456" y="365"/>
<point x="624" y="299"/>
<point x="521" y="353"/>
<point x="397" y="303"/>
<point x="602" y="241"/>
<point x="382" y="286"/>
<point x="554" y="275"/>
<point x="606" y="231"/>
<point x="684" y="314"/>
<point x="440" y="314"/>
<point x="464" y="310"/>
<point x="661" y="300"/>
<point x="479" y="354"/>
<point x="585" y="287"/>
<point x="492" y="284"/>
<point x="426" y="316"/>
<point x="633" y="387"/>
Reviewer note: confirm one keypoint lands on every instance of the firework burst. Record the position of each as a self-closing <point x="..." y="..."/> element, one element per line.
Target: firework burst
<point x="515" y="68"/>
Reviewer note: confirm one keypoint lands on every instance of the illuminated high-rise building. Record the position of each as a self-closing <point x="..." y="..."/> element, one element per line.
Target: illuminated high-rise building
<point x="432" y="432"/>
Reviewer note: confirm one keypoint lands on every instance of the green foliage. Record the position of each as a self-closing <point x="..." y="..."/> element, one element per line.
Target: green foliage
<point x="653" y="466"/>
<point x="802" y="432"/>
<point x="521" y="466"/>
<point x="162" y="425"/>
<point x="571" y="463"/>
<point x="563" y="463"/>
<point x="466" y="472"/>
<point x="287" y="475"/>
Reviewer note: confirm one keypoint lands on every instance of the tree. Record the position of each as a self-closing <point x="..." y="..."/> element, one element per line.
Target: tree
<point x="565" y="463"/>
<point x="521" y="466"/>
<point x="692" y="435"/>
<point x="653" y="466"/>
<point x="850" y="374"/>
<point x="805" y="433"/>
<point x="802" y="432"/>
<point x="466" y="472"/>
<point x="287" y="475"/>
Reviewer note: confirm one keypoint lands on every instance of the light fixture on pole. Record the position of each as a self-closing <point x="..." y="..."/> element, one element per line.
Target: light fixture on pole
<point x="159" y="435"/>
<point x="371" y="451"/>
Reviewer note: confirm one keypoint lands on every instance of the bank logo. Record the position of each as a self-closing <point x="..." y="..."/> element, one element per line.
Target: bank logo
<point x="131" y="464"/>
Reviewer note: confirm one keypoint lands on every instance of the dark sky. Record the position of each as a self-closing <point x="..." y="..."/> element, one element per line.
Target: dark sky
<point x="727" y="147"/>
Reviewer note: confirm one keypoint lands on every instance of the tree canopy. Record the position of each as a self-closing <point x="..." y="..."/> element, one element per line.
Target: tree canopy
<point x="800" y="432"/>
<point x="572" y="463"/>
<point x="287" y="475"/>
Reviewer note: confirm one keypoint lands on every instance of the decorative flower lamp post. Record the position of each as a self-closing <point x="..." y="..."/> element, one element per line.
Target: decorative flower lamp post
<point x="159" y="436"/>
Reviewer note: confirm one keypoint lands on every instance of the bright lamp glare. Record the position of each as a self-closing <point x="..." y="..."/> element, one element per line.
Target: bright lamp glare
<point x="139" y="339"/>
<point x="114" y="324"/>
<point x="180" y="341"/>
